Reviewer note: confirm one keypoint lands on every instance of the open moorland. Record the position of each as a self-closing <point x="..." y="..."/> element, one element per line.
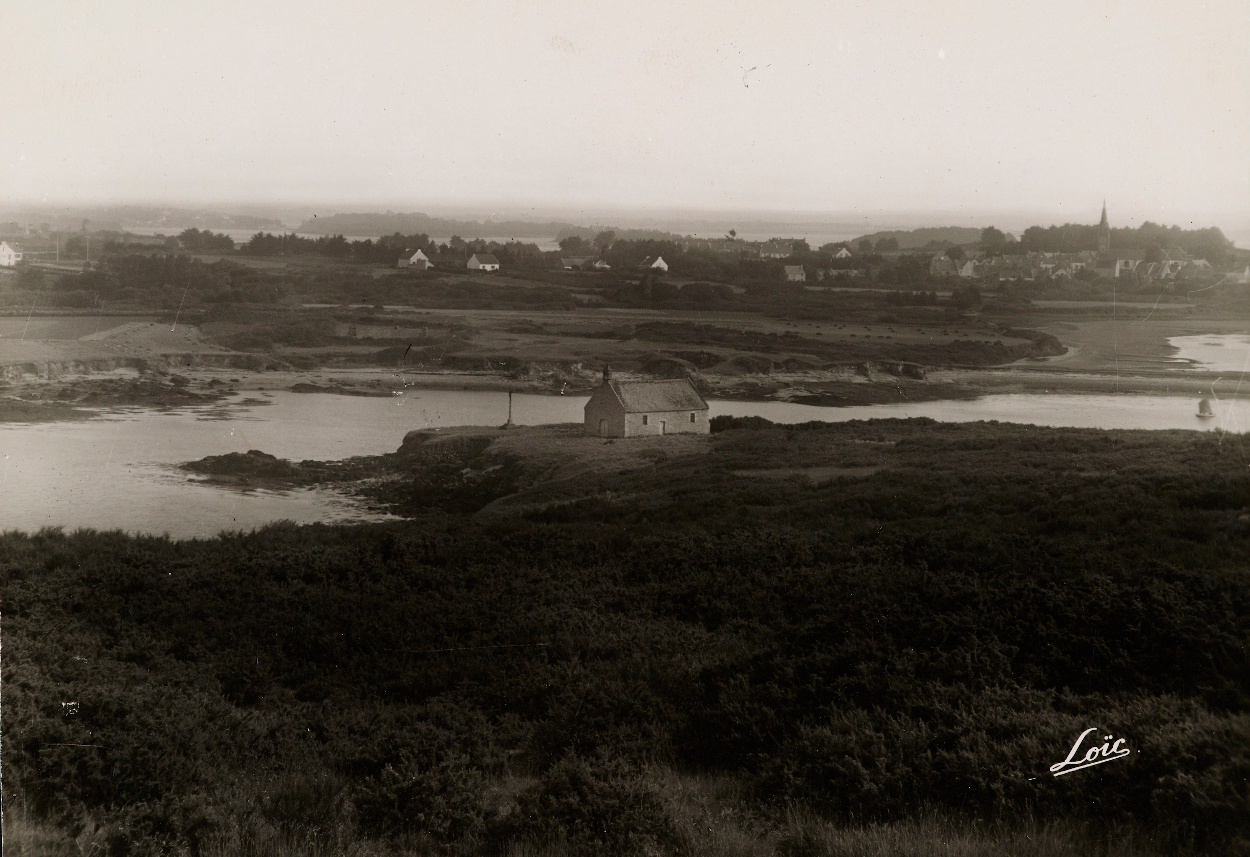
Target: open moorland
<point x="861" y="638"/>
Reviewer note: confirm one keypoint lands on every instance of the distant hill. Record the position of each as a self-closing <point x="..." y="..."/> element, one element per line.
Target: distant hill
<point x="119" y="217"/>
<point x="916" y="239"/>
<point x="415" y="222"/>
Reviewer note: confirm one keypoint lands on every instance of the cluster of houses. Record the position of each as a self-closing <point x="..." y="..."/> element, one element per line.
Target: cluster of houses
<point x="587" y="263"/>
<point x="1169" y="265"/>
<point x="1163" y="265"/>
<point x="477" y="262"/>
<point x="488" y="262"/>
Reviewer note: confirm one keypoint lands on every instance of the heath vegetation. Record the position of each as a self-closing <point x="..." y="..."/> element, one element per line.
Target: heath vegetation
<point x="686" y="658"/>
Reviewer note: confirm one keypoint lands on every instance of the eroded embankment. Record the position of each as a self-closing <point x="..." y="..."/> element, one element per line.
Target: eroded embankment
<point x="448" y="470"/>
<point x="51" y="370"/>
<point x="461" y="470"/>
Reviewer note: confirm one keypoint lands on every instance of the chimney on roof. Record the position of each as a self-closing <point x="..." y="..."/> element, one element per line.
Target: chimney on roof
<point x="607" y="373"/>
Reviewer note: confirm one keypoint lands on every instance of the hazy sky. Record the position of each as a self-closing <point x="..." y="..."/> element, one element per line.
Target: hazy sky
<point x="830" y="106"/>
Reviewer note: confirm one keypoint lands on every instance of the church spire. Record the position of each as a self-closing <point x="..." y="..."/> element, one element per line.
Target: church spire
<point x="1104" y="231"/>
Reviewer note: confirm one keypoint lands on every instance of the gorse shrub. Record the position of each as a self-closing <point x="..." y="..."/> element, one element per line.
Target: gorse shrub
<point x="590" y="807"/>
<point x="442" y="799"/>
<point x="310" y="799"/>
<point x="935" y="634"/>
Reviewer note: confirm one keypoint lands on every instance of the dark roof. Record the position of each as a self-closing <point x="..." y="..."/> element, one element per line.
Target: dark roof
<point x="639" y="397"/>
<point x="485" y="259"/>
<point x="1109" y="259"/>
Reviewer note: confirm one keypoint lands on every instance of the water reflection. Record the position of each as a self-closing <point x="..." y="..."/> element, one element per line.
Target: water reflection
<point x="1222" y="352"/>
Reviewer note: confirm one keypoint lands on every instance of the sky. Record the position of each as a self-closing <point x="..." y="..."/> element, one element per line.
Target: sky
<point x="723" y="105"/>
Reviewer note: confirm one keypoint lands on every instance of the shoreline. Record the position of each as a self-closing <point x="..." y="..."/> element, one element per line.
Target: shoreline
<point x="879" y="388"/>
<point x="89" y="395"/>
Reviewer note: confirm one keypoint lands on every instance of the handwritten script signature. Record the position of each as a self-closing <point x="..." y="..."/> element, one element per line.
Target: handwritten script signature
<point x="1095" y="755"/>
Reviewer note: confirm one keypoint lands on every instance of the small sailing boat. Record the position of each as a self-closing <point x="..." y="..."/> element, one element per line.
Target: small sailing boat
<point x="1204" y="409"/>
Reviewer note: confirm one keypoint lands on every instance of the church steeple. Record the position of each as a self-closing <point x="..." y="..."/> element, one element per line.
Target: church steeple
<point x="1104" y="231"/>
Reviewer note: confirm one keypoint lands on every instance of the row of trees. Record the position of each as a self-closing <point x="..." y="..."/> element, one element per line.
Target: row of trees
<point x="388" y="249"/>
<point x="194" y="241"/>
<point x="165" y="279"/>
<point x="1209" y="243"/>
<point x="865" y="246"/>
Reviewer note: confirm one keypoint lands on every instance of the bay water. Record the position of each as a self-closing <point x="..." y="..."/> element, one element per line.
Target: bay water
<point x="120" y="471"/>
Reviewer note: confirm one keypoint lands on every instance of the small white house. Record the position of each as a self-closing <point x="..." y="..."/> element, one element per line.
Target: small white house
<point x="842" y="254"/>
<point x="602" y="266"/>
<point x="10" y="254"/>
<point x="417" y="260"/>
<point x="641" y="408"/>
<point x="657" y="263"/>
<point x="795" y="273"/>
<point x="483" y="262"/>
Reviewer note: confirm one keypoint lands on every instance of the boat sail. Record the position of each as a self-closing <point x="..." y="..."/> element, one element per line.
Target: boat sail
<point x="1204" y="409"/>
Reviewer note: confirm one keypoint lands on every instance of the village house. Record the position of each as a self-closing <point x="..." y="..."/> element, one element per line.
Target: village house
<point x="417" y="260"/>
<point x="483" y="262"/>
<point x="10" y="254"/>
<point x="942" y="265"/>
<point x="777" y="248"/>
<point x="602" y="266"/>
<point x="658" y="263"/>
<point x="643" y="408"/>
<point x="795" y="273"/>
<point x="1117" y="263"/>
<point x="842" y="254"/>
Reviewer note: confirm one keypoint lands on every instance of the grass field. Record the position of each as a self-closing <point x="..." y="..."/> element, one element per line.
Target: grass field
<point x="68" y="327"/>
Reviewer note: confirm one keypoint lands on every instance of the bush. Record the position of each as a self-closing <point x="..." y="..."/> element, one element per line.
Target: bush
<point x="726" y="422"/>
<point x="591" y="808"/>
<point x="420" y="795"/>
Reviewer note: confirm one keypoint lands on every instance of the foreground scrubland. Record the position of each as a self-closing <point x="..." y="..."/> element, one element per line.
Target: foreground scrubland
<point x="724" y="652"/>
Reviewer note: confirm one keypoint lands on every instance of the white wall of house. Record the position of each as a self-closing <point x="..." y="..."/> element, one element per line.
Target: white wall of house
<point x="604" y="415"/>
<point x="667" y="422"/>
<point x="8" y="256"/>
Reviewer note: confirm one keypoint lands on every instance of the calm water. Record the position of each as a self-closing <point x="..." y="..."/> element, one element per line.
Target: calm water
<point x="1225" y="352"/>
<point x="118" y="472"/>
